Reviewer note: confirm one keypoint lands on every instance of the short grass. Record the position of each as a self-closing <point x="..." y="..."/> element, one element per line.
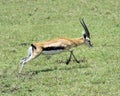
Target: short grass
<point x="23" y="22"/>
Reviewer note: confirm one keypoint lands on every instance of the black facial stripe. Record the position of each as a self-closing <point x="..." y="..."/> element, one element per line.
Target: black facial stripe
<point x="53" y="48"/>
<point x="84" y="36"/>
<point x="90" y="44"/>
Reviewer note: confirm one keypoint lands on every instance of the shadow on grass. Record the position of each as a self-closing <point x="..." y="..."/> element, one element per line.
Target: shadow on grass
<point x="67" y="67"/>
<point x="70" y="66"/>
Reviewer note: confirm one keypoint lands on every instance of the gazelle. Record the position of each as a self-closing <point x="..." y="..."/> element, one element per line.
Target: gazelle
<point x="56" y="46"/>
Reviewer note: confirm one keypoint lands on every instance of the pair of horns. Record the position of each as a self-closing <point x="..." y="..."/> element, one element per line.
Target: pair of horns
<point x="85" y="27"/>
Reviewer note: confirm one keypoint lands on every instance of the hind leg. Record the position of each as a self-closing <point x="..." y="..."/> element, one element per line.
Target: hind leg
<point x="25" y="59"/>
<point x="32" y="53"/>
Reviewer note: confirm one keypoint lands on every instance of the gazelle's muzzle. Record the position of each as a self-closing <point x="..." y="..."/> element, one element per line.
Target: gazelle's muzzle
<point x="90" y="44"/>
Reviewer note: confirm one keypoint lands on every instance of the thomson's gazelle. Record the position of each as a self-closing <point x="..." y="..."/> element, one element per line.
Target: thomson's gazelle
<point x="56" y="46"/>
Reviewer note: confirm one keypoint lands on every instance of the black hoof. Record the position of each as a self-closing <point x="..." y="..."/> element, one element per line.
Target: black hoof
<point x="78" y="61"/>
<point x="67" y="62"/>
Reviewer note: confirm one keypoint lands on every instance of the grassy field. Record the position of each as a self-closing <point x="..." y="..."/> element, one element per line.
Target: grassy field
<point x="23" y="22"/>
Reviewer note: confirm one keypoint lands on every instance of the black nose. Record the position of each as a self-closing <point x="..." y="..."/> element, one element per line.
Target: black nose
<point x="90" y="45"/>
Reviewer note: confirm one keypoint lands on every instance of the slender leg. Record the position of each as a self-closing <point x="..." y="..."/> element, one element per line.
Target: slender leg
<point x="75" y="57"/>
<point x="71" y="54"/>
<point x="25" y="59"/>
<point x="68" y="60"/>
<point x="31" y="55"/>
<point x="20" y="67"/>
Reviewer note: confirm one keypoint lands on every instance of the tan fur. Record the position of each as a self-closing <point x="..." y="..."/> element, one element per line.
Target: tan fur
<point x="58" y="42"/>
<point x="56" y="46"/>
<point x="65" y="42"/>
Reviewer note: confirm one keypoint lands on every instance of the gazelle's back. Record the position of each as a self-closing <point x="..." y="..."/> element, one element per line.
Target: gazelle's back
<point x="55" y="42"/>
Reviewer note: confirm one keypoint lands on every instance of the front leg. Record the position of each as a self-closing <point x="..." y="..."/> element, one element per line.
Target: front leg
<point x="68" y="60"/>
<point x="75" y="57"/>
<point x="71" y="54"/>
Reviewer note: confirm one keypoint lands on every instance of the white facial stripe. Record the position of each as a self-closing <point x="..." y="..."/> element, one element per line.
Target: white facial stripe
<point x="87" y="38"/>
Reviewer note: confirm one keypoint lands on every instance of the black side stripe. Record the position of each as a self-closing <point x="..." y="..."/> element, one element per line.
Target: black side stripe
<point x="53" y="48"/>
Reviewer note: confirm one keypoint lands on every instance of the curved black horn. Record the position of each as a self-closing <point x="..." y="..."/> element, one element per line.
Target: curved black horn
<point x="85" y="27"/>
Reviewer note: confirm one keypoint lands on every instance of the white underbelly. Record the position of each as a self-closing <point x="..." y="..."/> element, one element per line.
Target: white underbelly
<point x="51" y="52"/>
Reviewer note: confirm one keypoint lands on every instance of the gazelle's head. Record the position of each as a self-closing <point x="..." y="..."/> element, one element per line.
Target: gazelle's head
<point x="86" y="34"/>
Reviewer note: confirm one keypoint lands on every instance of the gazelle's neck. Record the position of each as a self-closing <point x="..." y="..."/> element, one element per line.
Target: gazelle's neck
<point x="78" y="41"/>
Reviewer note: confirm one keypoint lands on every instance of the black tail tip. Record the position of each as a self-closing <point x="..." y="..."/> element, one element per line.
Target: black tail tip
<point x="33" y="46"/>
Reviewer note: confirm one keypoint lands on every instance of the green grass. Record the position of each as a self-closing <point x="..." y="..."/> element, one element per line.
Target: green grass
<point x="27" y="21"/>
